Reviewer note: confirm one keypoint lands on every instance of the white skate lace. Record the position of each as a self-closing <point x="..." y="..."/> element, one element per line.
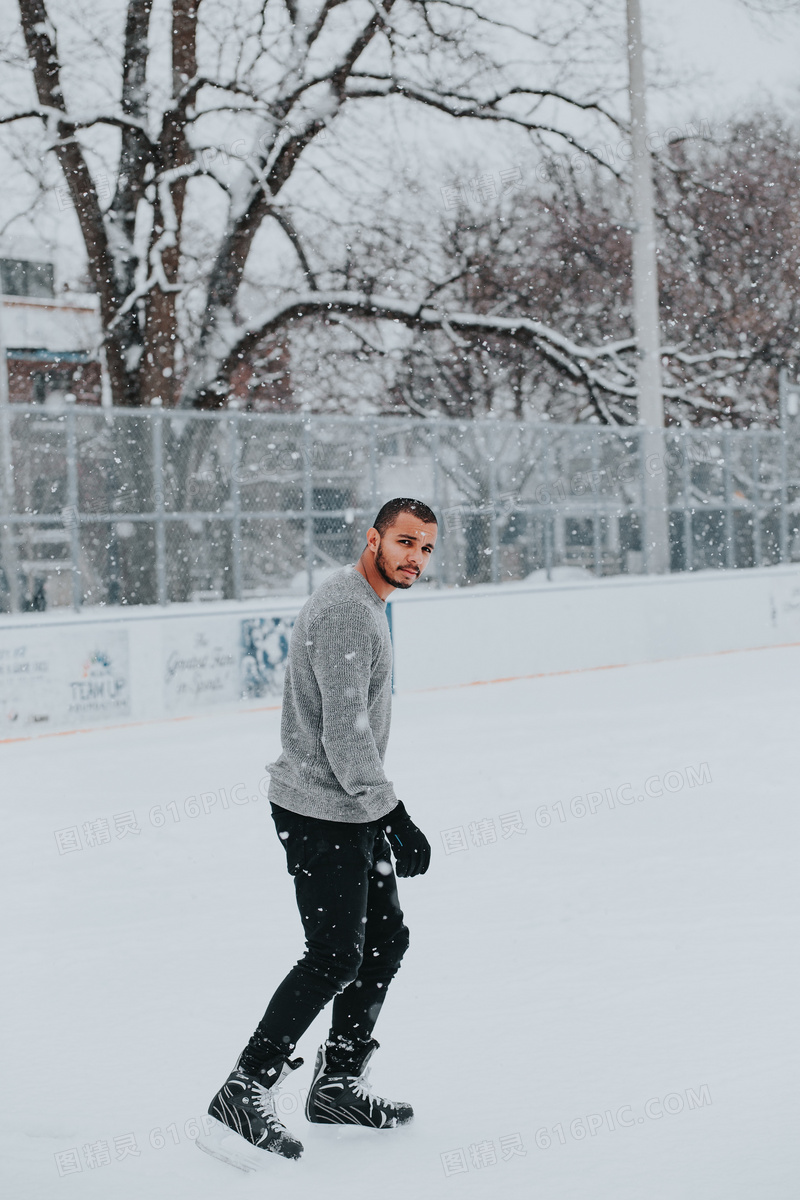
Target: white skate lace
<point x="264" y="1105"/>
<point x="361" y="1087"/>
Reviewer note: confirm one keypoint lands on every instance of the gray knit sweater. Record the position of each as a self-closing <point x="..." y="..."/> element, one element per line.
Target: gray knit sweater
<point x="337" y="706"/>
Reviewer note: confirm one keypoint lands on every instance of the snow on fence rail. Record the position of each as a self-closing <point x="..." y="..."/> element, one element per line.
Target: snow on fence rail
<point x="151" y="506"/>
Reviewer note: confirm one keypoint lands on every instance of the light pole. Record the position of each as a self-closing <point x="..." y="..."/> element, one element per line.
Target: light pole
<point x="655" y="539"/>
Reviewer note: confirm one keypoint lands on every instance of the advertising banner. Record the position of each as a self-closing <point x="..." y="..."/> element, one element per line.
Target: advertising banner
<point x="47" y="678"/>
<point x="200" y="664"/>
<point x="264" y="648"/>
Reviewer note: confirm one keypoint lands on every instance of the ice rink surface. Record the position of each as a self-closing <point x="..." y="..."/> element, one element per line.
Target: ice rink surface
<point x="599" y="1007"/>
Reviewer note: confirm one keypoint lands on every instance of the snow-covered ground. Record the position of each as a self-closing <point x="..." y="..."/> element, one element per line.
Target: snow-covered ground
<point x="631" y="971"/>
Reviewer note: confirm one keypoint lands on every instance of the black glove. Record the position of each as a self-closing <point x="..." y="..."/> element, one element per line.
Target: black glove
<point x="411" y="849"/>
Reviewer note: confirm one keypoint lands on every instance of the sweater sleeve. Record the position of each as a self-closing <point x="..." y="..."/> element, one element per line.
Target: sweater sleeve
<point x="341" y="645"/>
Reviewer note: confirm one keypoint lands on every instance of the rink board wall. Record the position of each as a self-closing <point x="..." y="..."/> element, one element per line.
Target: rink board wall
<point x="485" y="633"/>
<point x="74" y="670"/>
<point x="71" y="670"/>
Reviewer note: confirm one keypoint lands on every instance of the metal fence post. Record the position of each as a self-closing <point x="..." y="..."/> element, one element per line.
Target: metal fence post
<point x="688" y="523"/>
<point x="730" y="539"/>
<point x="236" y="505"/>
<point x="548" y="543"/>
<point x="157" y="432"/>
<point x="373" y="464"/>
<point x="597" y="547"/>
<point x="72" y="504"/>
<point x="755" y="469"/>
<point x="308" y="501"/>
<point x="433" y="444"/>
<point x="493" y="542"/>
<point x="784" y="499"/>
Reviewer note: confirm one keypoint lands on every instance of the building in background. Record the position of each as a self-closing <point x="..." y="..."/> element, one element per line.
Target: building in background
<point x="51" y="340"/>
<point x="53" y="334"/>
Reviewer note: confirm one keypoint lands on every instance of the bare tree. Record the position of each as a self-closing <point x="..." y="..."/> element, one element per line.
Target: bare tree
<point x="729" y="249"/>
<point x="731" y="257"/>
<point x="285" y="71"/>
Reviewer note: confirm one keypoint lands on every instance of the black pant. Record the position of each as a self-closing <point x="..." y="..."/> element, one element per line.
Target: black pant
<point x="355" y="936"/>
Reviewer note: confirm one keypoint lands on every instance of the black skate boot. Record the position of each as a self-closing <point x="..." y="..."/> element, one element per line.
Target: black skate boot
<point x="245" y="1128"/>
<point x="340" y="1092"/>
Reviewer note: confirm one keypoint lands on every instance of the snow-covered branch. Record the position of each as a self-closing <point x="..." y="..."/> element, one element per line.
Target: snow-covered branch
<point x="57" y="117"/>
<point x="581" y="362"/>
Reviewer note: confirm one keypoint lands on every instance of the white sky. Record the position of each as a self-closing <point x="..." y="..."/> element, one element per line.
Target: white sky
<point x="728" y="58"/>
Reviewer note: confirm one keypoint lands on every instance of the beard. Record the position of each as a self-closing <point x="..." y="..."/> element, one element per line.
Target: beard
<point x="383" y="570"/>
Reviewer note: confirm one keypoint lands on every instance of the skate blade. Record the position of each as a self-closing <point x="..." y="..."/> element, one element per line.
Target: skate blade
<point x="230" y="1147"/>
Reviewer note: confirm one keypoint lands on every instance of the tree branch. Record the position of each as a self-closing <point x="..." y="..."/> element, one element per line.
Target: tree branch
<point x="55" y="117"/>
<point x="43" y="52"/>
<point x="472" y="108"/>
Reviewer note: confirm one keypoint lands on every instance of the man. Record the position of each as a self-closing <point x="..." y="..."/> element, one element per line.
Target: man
<point x="337" y="816"/>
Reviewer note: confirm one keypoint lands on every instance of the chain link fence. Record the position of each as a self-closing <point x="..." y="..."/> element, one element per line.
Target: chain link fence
<point x="117" y="506"/>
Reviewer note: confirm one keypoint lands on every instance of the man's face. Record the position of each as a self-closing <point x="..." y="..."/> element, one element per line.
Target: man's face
<point x="405" y="550"/>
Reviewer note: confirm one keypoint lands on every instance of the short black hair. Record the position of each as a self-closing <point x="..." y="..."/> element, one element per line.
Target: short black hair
<point x="402" y="504"/>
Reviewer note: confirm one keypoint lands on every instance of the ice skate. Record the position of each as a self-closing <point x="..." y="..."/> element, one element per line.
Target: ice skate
<point x="246" y="1132"/>
<point x="340" y="1093"/>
